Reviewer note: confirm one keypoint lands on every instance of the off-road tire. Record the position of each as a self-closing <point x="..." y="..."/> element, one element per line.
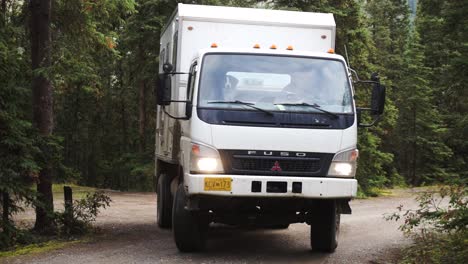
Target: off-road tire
<point x="188" y="227"/>
<point x="164" y="202"/>
<point x="325" y="227"/>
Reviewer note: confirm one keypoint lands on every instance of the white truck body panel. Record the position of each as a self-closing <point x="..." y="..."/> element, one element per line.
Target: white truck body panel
<point x="189" y="36"/>
<point x="230" y="27"/>
<point x="317" y="188"/>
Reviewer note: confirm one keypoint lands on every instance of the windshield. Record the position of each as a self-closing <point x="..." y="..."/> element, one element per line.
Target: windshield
<point x="274" y="83"/>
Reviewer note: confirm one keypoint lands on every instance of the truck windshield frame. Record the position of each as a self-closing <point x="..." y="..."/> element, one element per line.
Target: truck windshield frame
<point x="266" y="82"/>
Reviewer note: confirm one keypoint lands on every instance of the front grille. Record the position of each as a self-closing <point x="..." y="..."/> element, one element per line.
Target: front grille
<point x="275" y="163"/>
<point x="286" y="165"/>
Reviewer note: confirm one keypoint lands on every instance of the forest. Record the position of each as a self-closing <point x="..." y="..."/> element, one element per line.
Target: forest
<point x="77" y="100"/>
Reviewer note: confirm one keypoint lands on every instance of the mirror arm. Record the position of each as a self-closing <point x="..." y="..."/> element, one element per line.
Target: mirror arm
<point x="355" y="74"/>
<point x="373" y="82"/>
<point x="174" y="73"/>
<point x="377" y="119"/>
<point x="174" y="117"/>
<point x="179" y="101"/>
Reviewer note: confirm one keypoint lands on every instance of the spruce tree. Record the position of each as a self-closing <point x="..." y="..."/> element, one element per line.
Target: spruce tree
<point x="442" y="27"/>
<point x="421" y="151"/>
<point x="389" y="26"/>
<point x="453" y="84"/>
<point x="18" y="144"/>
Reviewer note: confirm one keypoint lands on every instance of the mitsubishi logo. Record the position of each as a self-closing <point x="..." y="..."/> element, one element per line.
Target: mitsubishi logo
<point x="276" y="167"/>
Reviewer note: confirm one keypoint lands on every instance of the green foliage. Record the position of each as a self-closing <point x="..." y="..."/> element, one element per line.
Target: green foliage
<point x="420" y="125"/>
<point x="442" y="210"/>
<point x="437" y="226"/>
<point x="18" y="141"/>
<point x="128" y="173"/>
<point x="77" y="219"/>
<point x="38" y="247"/>
<point x="438" y="249"/>
<point x="442" y="27"/>
<point x="105" y="58"/>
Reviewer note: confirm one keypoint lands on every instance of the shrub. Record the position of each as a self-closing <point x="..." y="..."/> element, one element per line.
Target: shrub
<point x="437" y="226"/>
<point x="77" y="219"/>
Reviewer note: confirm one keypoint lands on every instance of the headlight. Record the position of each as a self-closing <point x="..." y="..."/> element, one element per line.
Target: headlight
<point x="205" y="159"/>
<point x="344" y="164"/>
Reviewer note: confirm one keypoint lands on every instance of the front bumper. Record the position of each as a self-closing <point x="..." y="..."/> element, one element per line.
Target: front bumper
<point x="241" y="186"/>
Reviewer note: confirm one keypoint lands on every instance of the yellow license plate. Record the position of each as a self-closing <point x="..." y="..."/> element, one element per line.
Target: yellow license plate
<point x="218" y="184"/>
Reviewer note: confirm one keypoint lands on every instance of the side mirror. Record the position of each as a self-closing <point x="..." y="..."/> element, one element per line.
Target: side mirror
<point x="167" y="67"/>
<point x="188" y="110"/>
<point x="378" y="99"/>
<point x="377" y="102"/>
<point x="164" y="90"/>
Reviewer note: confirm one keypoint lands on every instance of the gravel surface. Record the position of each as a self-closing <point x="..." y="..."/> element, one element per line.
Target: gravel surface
<point x="129" y="234"/>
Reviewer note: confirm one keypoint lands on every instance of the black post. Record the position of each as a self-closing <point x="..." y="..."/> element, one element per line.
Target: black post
<point x="6" y="216"/>
<point x="68" y="198"/>
<point x="6" y="208"/>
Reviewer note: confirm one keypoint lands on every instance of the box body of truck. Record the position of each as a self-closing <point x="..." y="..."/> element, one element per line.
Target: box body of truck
<point x="256" y="123"/>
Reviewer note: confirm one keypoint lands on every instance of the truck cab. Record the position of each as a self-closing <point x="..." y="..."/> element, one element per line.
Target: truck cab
<point x="254" y="134"/>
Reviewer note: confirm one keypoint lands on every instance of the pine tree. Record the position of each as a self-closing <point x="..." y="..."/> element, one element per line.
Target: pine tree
<point x="18" y="148"/>
<point x="389" y="26"/>
<point x="452" y="83"/>
<point x="421" y="151"/>
<point x="42" y="104"/>
<point x="442" y="27"/>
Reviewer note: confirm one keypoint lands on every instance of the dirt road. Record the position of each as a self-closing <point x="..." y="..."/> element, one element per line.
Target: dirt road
<point x="129" y="235"/>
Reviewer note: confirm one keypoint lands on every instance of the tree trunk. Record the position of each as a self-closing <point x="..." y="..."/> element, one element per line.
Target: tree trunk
<point x="142" y="102"/>
<point x="3" y="7"/>
<point x="414" y="176"/>
<point x="142" y="116"/>
<point x="6" y="207"/>
<point x="42" y="104"/>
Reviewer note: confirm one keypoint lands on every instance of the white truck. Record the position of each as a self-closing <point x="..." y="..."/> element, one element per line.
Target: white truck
<point x="256" y="123"/>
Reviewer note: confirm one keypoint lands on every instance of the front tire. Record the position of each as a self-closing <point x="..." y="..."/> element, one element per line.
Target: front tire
<point x="325" y="227"/>
<point x="164" y="202"/>
<point x="188" y="227"/>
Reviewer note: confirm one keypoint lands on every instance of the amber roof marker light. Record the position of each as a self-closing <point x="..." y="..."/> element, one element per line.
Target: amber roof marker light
<point x="214" y="45"/>
<point x="290" y="48"/>
<point x="273" y="46"/>
<point x="256" y="46"/>
<point x="331" y="51"/>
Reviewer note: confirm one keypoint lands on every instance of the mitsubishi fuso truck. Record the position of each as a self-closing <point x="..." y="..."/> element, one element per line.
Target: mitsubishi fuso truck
<point x="256" y="123"/>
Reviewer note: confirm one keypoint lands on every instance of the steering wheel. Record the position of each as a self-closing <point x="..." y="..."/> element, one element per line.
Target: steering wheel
<point x="267" y="99"/>
<point x="288" y="97"/>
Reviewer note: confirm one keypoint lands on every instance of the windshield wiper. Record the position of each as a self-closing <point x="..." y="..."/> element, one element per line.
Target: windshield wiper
<point x="251" y="105"/>
<point x="315" y="106"/>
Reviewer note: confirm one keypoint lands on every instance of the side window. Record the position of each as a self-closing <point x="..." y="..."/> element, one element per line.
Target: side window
<point x="191" y="81"/>
<point x="168" y="47"/>
<point x="174" y="50"/>
<point x="162" y="59"/>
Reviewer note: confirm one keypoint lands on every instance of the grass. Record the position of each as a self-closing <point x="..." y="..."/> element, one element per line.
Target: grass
<point x="78" y="191"/>
<point x="39" y="247"/>
<point x="392" y="192"/>
<point x="373" y="192"/>
<point x="33" y="244"/>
